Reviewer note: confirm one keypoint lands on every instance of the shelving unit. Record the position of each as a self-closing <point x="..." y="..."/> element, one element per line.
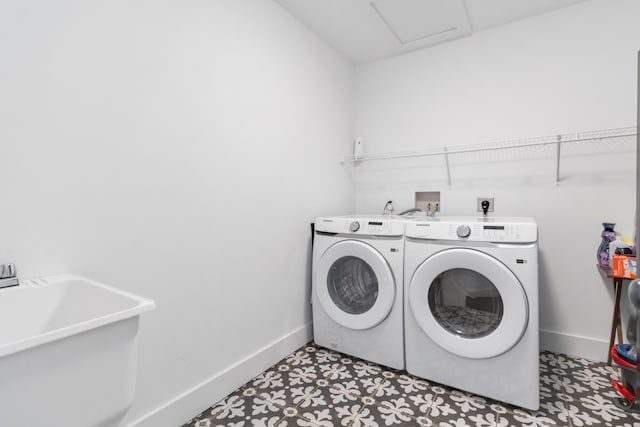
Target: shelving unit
<point x="600" y="139"/>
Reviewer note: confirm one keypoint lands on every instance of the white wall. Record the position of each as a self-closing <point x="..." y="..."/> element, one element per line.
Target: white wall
<point x="571" y="70"/>
<point x="178" y="150"/>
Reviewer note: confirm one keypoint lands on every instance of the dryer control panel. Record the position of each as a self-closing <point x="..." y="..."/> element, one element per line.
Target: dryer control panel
<point x="505" y="230"/>
<point x="360" y="225"/>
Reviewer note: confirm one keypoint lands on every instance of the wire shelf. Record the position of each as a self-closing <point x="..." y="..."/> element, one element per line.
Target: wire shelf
<point x="554" y="145"/>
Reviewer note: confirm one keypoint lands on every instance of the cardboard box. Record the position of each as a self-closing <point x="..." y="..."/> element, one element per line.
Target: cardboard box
<point x="625" y="267"/>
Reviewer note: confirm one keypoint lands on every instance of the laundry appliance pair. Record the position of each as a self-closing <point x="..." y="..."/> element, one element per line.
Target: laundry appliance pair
<point x="453" y="300"/>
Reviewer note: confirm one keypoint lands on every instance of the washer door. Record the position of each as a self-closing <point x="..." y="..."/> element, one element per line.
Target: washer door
<point x="468" y="303"/>
<point x="355" y="285"/>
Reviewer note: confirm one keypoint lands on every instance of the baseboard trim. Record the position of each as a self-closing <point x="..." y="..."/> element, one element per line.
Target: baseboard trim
<point x="190" y="403"/>
<point x="574" y="345"/>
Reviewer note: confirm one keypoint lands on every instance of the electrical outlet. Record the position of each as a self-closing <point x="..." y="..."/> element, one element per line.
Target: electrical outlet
<point x="482" y="199"/>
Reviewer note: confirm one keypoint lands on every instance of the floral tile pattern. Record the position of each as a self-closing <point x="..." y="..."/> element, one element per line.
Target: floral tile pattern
<point x="588" y="394"/>
<point x="317" y="387"/>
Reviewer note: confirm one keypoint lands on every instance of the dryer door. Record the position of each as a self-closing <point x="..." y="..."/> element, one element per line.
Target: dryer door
<point x="354" y="284"/>
<point x="468" y="303"/>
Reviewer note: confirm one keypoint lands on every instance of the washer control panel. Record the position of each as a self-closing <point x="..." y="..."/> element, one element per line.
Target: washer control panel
<point x="507" y="230"/>
<point x="374" y="226"/>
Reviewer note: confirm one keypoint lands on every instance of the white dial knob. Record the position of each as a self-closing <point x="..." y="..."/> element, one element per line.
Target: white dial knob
<point x="463" y="231"/>
<point x="354" y="226"/>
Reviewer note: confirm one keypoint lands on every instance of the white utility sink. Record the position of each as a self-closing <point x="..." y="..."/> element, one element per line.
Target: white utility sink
<point x="67" y="352"/>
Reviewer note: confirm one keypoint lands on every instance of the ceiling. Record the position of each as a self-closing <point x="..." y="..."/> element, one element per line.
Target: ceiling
<point x="366" y="30"/>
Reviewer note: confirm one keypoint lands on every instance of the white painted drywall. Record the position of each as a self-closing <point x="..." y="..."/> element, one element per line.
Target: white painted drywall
<point x="570" y="70"/>
<point x="178" y="150"/>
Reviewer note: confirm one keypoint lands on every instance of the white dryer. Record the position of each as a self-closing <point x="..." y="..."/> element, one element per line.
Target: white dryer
<point x="357" y="287"/>
<point x="471" y="306"/>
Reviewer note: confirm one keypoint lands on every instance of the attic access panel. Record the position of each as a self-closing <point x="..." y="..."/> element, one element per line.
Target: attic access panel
<point x="429" y="21"/>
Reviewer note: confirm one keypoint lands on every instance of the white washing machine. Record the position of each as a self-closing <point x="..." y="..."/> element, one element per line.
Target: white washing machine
<point x="357" y="287"/>
<point x="471" y="306"/>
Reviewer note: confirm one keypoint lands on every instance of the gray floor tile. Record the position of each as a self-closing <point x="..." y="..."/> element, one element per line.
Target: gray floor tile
<point x="324" y="417"/>
<point x="457" y="408"/>
<point x="341" y="392"/>
<point x="247" y="406"/>
<point x="556" y="415"/>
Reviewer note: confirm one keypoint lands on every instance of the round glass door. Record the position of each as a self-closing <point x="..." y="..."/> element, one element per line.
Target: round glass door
<point x="354" y="284"/>
<point x="465" y="303"/>
<point x="469" y="303"/>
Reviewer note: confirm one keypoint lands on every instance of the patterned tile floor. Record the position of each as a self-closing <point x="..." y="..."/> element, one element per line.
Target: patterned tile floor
<point x="316" y="387"/>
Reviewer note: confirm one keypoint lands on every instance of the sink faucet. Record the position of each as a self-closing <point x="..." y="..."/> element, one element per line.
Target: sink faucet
<point x="8" y="275"/>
